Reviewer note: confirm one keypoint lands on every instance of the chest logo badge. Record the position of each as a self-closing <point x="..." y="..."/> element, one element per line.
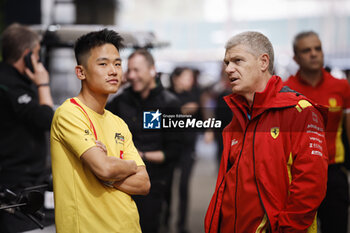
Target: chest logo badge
<point x="24" y="99"/>
<point x="119" y="138"/>
<point x="333" y="105"/>
<point x="234" y="142"/>
<point x="275" y="131"/>
<point x="332" y="102"/>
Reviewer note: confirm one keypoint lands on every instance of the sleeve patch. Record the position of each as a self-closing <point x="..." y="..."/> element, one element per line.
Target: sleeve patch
<point x="302" y="104"/>
<point x="24" y="99"/>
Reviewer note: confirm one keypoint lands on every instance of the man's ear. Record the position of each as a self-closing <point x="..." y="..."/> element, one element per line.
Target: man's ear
<point x="264" y="62"/>
<point x="80" y="73"/>
<point x="153" y="71"/>
<point x="295" y="58"/>
<point x="25" y="52"/>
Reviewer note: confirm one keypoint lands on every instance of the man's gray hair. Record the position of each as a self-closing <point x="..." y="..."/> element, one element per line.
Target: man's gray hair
<point x="300" y="36"/>
<point x="256" y="42"/>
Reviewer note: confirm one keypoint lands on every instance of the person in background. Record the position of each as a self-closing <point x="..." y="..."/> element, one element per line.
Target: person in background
<point x="158" y="147"/>
<point x="222" y="111"/>
<point x="184" y="86"/>
<point x="26" y="114"/>
<point x="273" y="171"/>
<point x="313" y="81"/>
<point x="95" y="164"/>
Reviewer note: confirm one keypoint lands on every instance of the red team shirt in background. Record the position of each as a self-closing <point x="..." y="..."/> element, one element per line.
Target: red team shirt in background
<point x="335" y="95"/>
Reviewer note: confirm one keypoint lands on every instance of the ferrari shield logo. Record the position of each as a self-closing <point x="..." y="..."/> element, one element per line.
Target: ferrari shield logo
<point x="275" y="131"/>
<point x="332" y="102"/>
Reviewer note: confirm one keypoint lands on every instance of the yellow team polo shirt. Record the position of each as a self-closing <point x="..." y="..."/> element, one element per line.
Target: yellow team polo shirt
<point x="82" y="203"/>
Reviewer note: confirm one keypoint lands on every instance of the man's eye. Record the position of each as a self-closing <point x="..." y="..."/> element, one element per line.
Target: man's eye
<point x="118" y="64"/>
<point x="102" y="64"/>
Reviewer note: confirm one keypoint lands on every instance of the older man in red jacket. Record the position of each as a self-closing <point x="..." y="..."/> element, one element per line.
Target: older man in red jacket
<point x="273" y="171"/>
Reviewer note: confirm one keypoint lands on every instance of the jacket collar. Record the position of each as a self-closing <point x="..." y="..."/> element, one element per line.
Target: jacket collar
<point x="11" y="70"/>
<point x="154" y="92"/>
<point x="325" y="75"/>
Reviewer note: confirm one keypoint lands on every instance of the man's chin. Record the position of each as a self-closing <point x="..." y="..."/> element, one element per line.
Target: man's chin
<point x="235" y="90"/>
<point x="315" y="67"/>
<point x="113" y="90"/>
<point x="136" y="89"/>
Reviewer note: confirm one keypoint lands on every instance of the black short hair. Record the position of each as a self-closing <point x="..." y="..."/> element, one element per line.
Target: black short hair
<point x="15" y="40"/>
<point x="85" y="43"/>
<point x="145" y="53"/>
<point x="302" y="35"/>
<point x="179" y="70"/>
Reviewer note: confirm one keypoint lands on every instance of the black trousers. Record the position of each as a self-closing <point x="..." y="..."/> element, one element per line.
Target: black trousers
<point x="333" y="212"/>
<point x="150" y="207"/>
<point x="186" y="165"/>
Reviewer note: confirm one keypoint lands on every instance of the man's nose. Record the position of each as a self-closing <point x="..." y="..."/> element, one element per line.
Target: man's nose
<point x="129" y="76"/>
<point x="112" y="70"/>
<point x="230" y="68"/>
<point x="314" y="52"/>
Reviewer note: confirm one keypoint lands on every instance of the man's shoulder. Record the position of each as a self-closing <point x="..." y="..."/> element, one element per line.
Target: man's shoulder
<point x="298" y="102"/>
<point x="334" y="86"/>
<point x="169" y="97"/>
<point x="122" y="102"/>
<point x="301" y="106"/>
<point x="114" y="117"/>
<point x="6" y="69"/>
<point x="290" y="91"/>
<point x="9" y="76"/>
<point x="295" y="98"/>
<point x="125" y="96"/>
<point x="291" y="80"/>
<point x="286" y="96"/>
<point x="336" y="81"/>
<point x="126" y="92"/>
<point x="66" y="108"/>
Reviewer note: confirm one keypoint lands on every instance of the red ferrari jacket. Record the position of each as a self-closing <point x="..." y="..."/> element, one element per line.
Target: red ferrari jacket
<point x="273" y="171"/>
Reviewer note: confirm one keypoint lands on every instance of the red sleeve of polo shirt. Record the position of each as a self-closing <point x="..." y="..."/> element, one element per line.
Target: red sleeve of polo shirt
<point x="347" y="97"/>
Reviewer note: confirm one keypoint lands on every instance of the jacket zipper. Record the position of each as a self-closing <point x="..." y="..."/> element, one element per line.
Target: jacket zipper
<point x="216" y="200"/>
<point x="249" y="120"/>
<point x="239" y="157"/>
<point x="256" y="181"/>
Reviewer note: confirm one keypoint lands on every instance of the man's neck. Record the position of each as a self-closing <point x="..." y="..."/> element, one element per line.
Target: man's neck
<point x="19" y="66"/>
<point x="147" y="91"/>
<point x="259" y="88"/>
<point x="311" y="77"/>
<point x="93" y="101"/>
<point x="249" y="98"/>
